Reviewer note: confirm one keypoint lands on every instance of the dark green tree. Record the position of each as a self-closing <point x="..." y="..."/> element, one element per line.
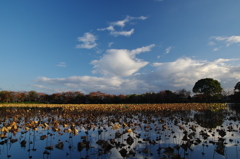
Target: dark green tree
<point x="33" y="96"/>
<point x="236" y="96"/>
<point x="237" y="87"/>
<point x="183" y="95"/>
<point x="208" y="86"/>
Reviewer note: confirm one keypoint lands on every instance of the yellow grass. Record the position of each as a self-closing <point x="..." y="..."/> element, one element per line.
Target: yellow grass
<point x="126" y="107"/>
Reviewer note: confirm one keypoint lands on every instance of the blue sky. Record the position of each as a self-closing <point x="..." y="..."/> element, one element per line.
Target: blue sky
<point x="118" y="47"/>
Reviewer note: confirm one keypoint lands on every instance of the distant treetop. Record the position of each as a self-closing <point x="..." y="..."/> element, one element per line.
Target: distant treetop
<point x="207" y="86"/>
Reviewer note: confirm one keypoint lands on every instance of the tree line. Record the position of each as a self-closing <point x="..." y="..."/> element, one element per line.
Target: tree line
<point x="205" y="90"/>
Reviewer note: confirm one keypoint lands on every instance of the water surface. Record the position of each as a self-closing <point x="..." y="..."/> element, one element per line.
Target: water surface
<point x="120" y="132"/>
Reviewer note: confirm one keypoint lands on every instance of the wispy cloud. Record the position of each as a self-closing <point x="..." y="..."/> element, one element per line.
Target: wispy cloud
<point x="110" y="44"/>
<point x="211" y="43"/>
<point x="50" y="89"/>
<point x="121" y="23"/>
<point x="62" y="64"/>
<point x="123" y="33"/>
<point x="228" y="40"/>
<point x="168" y="49"/>
<point x="84" y="84"/>
<point x="88" y="41"/>
<point x="217" y="48"/>
<point x="109" y="28"/>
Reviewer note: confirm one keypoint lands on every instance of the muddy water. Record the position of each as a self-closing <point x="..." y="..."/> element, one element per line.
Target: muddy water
<point x="59" y="133"/>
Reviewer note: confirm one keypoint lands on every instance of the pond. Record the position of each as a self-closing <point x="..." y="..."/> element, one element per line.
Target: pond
<point x="120" y="131"/>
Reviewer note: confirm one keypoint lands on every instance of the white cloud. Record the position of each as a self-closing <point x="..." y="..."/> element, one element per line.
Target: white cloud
<point x="228" y="40"/>
<point x="81" y="80"/>
<point x="182" y="73"/>
<point x="121" y="23"/>
<point x="142" y="49"/>
<point x="62" y="64"/>
<point x="123" y="33"/>
<point x="120" y="62"/>
<point x="50" y="89"/>
<point x="110" y="28"/>
<point x="141" y="18"/>
<point x="110" y="44"/>
<point x="211" y="43"/>
<point x="88" y="41"/>
<point x="87" y="84"/>
<point x="217" y="48"/>
<point x="168" y="49"/>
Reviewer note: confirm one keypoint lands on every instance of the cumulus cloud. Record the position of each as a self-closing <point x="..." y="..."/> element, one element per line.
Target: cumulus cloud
<point x="184" y="72"/>
<point x="121" y="23"/>
<point x="87" y="40"/>
<point x="178" y="74"/>
<point x="228" y="40"/>
<point x="62" y="64"/>
<point x="120" y="62"/>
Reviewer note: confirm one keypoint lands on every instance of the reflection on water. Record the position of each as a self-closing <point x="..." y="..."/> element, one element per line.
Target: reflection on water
<point x="120" y="132"/>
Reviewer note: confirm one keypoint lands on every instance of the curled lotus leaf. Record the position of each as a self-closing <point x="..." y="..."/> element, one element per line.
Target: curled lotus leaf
<point x="116" y="127"/>
<point x="123" y="152"/>
<point x="129" y="131"/>
<point x="82" y="145"/>
<point x="130" y="140"/>
<point x="59" y="145"/>
<point x="46" y="152"/>
<point x="43" y="137"/>
<point x="222" y="133"/>
<point x="49" y="147"/>
<point x="146" y="150"/>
